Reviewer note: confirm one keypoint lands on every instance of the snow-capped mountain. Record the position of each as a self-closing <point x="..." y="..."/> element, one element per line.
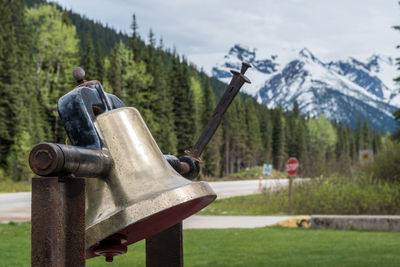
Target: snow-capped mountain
<point x="343" y="90"/>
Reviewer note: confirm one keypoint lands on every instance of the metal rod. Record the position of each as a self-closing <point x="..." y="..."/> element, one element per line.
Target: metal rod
<point x="165" y="248"/>
<point x="236" y="83"/>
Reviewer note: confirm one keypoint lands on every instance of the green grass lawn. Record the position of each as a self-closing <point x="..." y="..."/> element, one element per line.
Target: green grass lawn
<point x="243" y="247"/>
<point x="245" y="205"/>
<point x="8" y="186"/>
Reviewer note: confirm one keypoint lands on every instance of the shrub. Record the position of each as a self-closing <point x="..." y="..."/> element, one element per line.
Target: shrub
<point x="386" y="165"/>
<point x="339" y="195"/>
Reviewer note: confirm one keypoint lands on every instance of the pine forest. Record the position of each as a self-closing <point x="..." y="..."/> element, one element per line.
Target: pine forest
<point x="40" y="45"/>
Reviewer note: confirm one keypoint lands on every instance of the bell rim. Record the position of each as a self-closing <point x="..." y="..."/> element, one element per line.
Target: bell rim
<point x="197" y="194"/>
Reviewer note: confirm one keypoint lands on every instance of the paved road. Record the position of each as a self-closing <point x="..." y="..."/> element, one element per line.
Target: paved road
<point x="17" y="206"/>
<point x="227" y="189"/>
<point x="219" y="222"/>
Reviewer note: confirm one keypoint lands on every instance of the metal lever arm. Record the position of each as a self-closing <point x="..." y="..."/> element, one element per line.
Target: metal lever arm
<point x="236" y="83"/>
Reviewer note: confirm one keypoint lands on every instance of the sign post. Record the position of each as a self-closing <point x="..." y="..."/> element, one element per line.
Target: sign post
<point x="267" y="169"/>
<point x="292" y="166"/>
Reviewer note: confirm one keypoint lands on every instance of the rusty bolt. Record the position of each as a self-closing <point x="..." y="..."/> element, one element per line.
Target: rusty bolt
<point x="46" y="158"/>
<point x="112" y="246"/>
<point x="43" y="159"/>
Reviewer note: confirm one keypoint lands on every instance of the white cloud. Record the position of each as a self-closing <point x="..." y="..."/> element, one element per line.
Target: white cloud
<point x="331" y="29"/>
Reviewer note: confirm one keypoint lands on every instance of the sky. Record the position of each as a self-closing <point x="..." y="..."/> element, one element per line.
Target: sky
<point x="205" y="30"/>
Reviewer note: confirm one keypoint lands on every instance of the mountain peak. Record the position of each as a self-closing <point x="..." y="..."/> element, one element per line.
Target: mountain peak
<point x="342" y="89"/>
<point x="243" y="53"/>
<point x="305" y="52"/>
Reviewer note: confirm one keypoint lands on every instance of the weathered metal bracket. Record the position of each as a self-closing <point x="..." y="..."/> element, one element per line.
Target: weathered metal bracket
<point x="165" y="248"/>
<point x="58" y="222"/>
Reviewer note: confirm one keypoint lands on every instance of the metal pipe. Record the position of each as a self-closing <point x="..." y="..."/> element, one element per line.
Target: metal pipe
<point x="49" y="159"/>
<point x="208" y="131"/>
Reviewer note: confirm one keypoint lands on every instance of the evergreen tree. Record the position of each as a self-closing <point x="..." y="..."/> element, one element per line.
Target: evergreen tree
<point x="20" y="127"/>
<point x="239" y="135"/>
<point x="89" y="62"/>
<point x="161" y="100"/>
<point x="253" y="135"/>
<point x="366" y="135"/>
<point x="55" y="53"/>
<point x="135" y="40"/>
<point x="358" y="138"/>
<point x="39" y="47"/>
<point x="266" y="132"/>
<point x="114" y="73"/>
<point x="9" y="96"/>
<point x="99" y="65"/>
<point x="277" y="141"/>
<point x="182" y="107"/>
<point x="211" y="154"/>
<point x="299" y="137"/>
<point x="296" y="109"/>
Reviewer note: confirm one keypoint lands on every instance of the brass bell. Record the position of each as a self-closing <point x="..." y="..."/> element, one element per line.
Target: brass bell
<point x="142" y="194"/>
<point x="132" y="191"/>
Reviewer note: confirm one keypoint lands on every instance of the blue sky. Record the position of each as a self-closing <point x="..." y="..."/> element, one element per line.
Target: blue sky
<point x="206" y="28"/>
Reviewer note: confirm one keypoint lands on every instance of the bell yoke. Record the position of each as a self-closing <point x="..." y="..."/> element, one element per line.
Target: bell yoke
<point x="132" y="190"/>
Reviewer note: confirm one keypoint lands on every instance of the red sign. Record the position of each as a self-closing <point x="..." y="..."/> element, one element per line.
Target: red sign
<point x="292" y="166"/>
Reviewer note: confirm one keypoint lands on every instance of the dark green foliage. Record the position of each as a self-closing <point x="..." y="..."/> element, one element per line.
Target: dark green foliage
<point x="88" y="61"/>
<point x="266" y="133"/>
<point x="19" y="107"/>
<point x="211" y="155"/>
<point x="8" y="79"/>
<point x="331" y="195"/>
<point x="396" y="114"/>
<point x="182" y="105"/>
<point x="252" y="137"/>
<point x="99" y="65"/>
<point x="277" y="139"/>
<point x="136" y="43"/>
<point x="114" y="73"/>
<point x="39" y="47"/>
<point x="386" y="165"/>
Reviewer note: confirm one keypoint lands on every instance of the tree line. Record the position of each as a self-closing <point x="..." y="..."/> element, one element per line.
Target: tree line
<point x="40" y="46"/>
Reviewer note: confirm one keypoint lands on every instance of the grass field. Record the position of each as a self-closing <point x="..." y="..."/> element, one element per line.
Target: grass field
<point x="243" y="205"/>
<point x="8" y="186"/>
<point x="243" y="247"/>
<point x="250" y="174"/>
<point x="331" y="195"/>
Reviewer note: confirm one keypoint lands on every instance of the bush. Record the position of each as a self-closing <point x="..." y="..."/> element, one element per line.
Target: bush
<point x="340" y="195"/>
<point x="386" y="165"/>
<point x="332" y="195"/>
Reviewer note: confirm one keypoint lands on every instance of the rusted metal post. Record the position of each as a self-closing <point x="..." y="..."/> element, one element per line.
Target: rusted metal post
<point x="46" y="223"/>
<point x="290" y="199"/>
<point x="165" y="248"/>
<point x="58" y="222"/>
<point x="72" y="191"/>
